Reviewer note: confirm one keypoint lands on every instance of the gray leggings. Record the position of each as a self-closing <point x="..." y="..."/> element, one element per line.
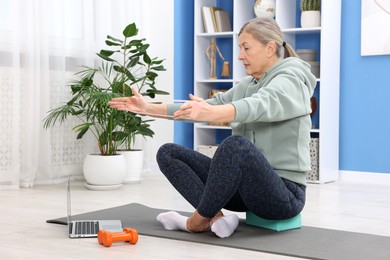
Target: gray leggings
<point x="238" y="178"/>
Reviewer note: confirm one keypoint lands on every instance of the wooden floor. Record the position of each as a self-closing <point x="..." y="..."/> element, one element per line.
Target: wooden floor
<point x="342" y="205"/>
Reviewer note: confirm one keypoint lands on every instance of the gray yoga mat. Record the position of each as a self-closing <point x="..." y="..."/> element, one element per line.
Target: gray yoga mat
<point x="306" y="242"/>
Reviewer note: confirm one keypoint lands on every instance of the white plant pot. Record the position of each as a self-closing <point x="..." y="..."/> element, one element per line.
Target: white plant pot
<point x="310" y="19"/>
<point x="134" y="161"/>
<point x="107" y="171"/>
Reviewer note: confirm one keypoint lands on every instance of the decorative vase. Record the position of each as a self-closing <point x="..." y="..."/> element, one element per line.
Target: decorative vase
<point x="104" y="172"/>
<point x="226" y="69"/>
<point x="310" y="19"/>
<point x="134" y="165"/>
<point x="313" y="105"/>
<point x="264" y="8"/>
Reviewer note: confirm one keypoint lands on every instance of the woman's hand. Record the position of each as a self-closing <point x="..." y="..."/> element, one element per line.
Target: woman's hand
<point x="135" y="104"/>
<point x="196" y="109"/>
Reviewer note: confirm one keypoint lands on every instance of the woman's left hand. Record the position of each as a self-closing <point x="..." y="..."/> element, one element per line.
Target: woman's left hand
<point x="196" y="109"/>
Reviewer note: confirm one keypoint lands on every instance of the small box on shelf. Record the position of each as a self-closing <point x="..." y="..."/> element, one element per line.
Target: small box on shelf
<point x="208" y="150"/>
<point x="313" y="175"/>
<point x="310" y="57"/>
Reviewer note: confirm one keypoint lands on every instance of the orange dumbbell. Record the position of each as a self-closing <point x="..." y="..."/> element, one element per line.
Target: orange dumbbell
<point x="106" y="238"/>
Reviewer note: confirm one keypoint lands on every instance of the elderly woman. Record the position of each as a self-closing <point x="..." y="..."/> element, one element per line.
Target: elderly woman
<point x="260" y="168"/>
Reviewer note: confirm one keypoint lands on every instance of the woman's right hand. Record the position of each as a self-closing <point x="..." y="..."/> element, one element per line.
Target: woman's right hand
<point x="135" y="103"/>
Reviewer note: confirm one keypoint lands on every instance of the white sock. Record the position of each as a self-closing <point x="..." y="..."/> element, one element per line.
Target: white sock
<point x="225" y="226"/>
<point x="172" y="220"/>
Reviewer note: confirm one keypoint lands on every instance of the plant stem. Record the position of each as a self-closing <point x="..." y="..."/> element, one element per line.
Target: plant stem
<point x="124" y="66"/>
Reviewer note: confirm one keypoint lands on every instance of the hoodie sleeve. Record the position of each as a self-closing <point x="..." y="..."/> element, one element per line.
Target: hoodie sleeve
<point x="286" y="96"/>
<point x="172" y="108"/>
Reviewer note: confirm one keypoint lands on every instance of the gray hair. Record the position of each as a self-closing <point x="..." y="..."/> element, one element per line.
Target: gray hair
<point x="265" y="30"/>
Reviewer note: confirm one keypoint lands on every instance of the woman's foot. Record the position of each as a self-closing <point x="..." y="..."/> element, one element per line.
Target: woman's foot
<point x="172" y="220"/>
<point x="197" y="223"/>
<point x="224" y="226"/>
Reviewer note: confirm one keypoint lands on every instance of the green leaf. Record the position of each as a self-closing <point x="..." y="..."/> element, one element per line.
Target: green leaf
<point x="118" y="68"/>
<point x="116" y="86"/>
<point x="124" y="70"/>
<point x="75" y="88"/>
<point x="137" y="42"/>
<point x="143" y="48"/>
<point x="156" y="62"/>
<point x="114" y="39"/>
<point x="77" y="112"/>
<point x="82" y="130"/>
<point x="127" y="91"/>
<point x="150" y="94"/>
<point x="86" y="82"/>
<point x="110" y="43"/>
<point x="158" y="92"/>
<point x="129" y="75"/>
<point x="104" y="57"/>
<point x="130" y="30"/>
<point x="119" y="136"/>
<point x="158" y="68"/>
<point x="126" y="47"/>
<point x="132" y="62"/>
<point x="151" y="75"/>
<point x="71" y="102"/>
<point x="145" y="131"/>
<point x="147" y="59"/>
<point x="107" y="52"/>
<point x="136" y="54"/>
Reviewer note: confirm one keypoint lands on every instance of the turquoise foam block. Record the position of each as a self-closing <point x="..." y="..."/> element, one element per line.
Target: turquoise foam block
<point x="277" y="225"/>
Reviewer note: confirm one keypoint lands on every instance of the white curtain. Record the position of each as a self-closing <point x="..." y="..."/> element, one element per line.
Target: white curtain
<point x="42" y="43"/>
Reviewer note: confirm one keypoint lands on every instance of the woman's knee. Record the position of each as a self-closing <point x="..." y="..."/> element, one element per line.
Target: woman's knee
<point x="233" y="141"/>
<point x="164" y="151"/>
<point x="236" y="143"/>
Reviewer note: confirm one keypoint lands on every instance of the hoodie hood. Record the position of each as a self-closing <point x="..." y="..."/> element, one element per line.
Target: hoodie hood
<point x="295" y="67"/>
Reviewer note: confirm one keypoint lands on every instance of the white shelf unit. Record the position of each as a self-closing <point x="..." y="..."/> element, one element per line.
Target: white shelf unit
<point x="287" y="16"/>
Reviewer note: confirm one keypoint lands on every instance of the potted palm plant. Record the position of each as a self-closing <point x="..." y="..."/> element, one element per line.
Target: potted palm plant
<point x="310" y="13"/>
<point x="134" y="68"/>
<point x="127" y="64"/>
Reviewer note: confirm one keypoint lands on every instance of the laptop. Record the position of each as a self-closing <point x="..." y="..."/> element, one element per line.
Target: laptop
<point x="88" y="228"/>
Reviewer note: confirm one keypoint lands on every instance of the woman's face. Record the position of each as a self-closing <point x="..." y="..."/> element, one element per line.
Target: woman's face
<point x="256" y="57"/>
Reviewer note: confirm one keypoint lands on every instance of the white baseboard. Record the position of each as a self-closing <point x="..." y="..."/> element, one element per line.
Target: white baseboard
<point x="365" y="177"/>
<point x="57" y="181"/>
<point x="345" y="176"/>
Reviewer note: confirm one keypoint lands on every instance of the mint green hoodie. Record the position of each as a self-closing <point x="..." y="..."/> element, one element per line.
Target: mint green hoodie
<point x="274" y="114"/>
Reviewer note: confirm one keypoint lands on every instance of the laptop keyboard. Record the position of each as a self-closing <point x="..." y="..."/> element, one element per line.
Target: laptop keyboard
<point x="86" y="227"/>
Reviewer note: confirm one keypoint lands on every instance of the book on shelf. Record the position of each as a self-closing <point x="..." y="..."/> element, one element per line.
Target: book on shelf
<point x="214" y="9"/>
<point x="207" y="20"/>
<point x="223" y="21"/>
